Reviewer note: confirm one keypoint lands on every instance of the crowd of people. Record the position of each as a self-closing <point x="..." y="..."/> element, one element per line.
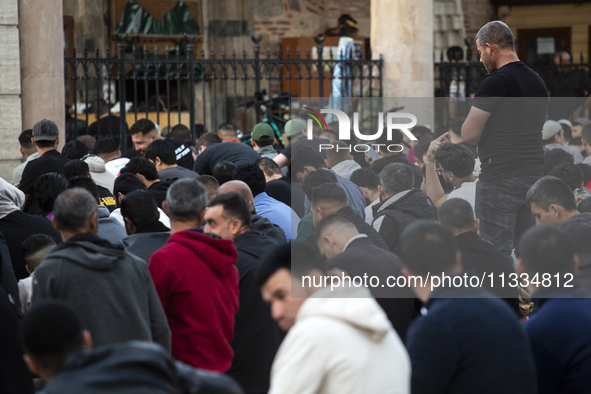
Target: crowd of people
<point x="210" y="266"/>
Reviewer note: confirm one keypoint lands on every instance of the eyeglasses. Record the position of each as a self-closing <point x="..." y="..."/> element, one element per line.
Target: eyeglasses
<point x="439" y="171"/>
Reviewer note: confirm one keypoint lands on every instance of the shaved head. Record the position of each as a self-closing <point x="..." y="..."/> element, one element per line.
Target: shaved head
<point x="240" y="188"/>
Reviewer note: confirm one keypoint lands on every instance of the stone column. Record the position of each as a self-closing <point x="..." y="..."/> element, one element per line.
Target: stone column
<point x="10" y="88"/>
<point x="402" y="33"/>
<point x="42" y="62"/>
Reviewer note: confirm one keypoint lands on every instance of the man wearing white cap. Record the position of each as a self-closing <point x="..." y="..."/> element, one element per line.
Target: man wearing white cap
<point x="553" y="139"/>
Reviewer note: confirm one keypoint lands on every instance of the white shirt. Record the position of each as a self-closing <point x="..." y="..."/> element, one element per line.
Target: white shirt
<point x="345" y="168"/>
<point x="467" y="191"/>
<point x="114" y="166"/>
<point x="163" y="218"/>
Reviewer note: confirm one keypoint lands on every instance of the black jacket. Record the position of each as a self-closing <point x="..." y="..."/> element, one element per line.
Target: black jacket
<point x="158" y="190"/>
<point x="392" y="215"/>
<point x="16" y="228"/>
<point x="15" y="377"/>
<point x="379" y="165"/>
<point x="482" y="257"/>
<point x="139" y="367"/>
<point x="264" y="225"/>
<point x="467" y="341"/>
<point x="7" y="279"/>
<point x="256" y="335"/>
<point x="361" y="225"/>
<point x="578" y="229"/>
<point x="362" y="257"/>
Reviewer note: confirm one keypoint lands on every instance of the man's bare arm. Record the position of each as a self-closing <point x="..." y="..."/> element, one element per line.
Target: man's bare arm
<point x="474" y="125"/>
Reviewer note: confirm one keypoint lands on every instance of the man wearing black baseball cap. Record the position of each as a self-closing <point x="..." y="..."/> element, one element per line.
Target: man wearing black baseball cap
<point x="46" y="139"/>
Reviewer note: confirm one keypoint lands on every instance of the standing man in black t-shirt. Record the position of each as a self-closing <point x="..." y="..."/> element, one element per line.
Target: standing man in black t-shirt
<point x="46" y="139"/>
<point x="505" y="120"/>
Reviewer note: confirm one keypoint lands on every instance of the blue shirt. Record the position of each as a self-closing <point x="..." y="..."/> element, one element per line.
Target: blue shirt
<point x="354" y="195"/>
<point x="560" y="337"/>
<point x="277" y="212"/>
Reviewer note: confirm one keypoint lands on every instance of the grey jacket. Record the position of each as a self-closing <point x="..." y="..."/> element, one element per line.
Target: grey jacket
<point x="143" y="245"/>
<point x="110" y="288"/>
<point x="109" y="227"/>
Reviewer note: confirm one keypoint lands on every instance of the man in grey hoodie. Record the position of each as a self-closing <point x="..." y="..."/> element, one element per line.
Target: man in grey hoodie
<point x="110" y="288"/>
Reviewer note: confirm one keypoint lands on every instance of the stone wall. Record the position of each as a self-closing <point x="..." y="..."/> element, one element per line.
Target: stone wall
<point x="90" y="28"/>
<point x="477" y="13"/>
<point x="10" y="88"/>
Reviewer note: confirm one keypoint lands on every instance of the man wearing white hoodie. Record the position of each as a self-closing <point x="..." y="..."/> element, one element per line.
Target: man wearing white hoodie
<point x="339" y="341"/>
<point x="99" y="173"/>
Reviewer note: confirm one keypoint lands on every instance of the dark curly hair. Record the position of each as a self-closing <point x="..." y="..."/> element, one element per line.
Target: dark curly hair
<point x="46" y="189"/>
<point x="455" y="158"/>
<point x="315" y="179"/>
<point x="570" y="173"/>
<point x="253" y="176"/>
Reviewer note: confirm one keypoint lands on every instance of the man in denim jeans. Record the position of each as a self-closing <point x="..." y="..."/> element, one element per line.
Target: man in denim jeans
<point x="505" y="120"/>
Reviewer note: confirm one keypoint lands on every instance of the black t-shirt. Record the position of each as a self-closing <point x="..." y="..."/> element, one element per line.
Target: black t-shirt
<point x="279" y="190"/>
<point x="51" y="161"/>
<point x="235" y="152"/>
<point x="511" y="142"/>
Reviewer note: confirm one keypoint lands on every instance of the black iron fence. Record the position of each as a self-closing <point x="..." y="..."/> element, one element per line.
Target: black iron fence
<point x="177" y="87"/>
<point x="458" y="81"/>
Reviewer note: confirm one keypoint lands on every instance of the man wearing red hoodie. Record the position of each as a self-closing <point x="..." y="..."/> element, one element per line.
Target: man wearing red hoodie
<point x="197" y="282"/>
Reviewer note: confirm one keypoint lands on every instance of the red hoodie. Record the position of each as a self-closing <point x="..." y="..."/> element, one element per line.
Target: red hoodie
<point x="197" y="282"/>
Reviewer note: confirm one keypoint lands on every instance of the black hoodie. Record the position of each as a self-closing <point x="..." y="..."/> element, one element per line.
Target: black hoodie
<point x="392" y="215"/>
<point x="256" y="335"/>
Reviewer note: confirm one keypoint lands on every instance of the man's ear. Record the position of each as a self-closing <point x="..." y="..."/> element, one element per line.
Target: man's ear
<point x="202" y="215"/>
<point x="476" y="225"/>
<point x="164" y="208"/>
<point x="381" y="191"/>
<point x="158" y="161"/>
<point x="142" y="178"/>
<point x="251" y="205"/>
<point x="235" y="226"/>
<point x="33" y="367"/>
<point x="93" y="223"/>
<point x="553" y="209"/>
<point x="326" y="163"/>
<point x="118" y="153"/>
<point x="57" y="141"/>
<point x="87" y="339"/>
<point x="308" y="169"/>
<point x="129" y="226"/>
<point x="54" y="222"/>
<point x="120" y="196"/>
<point x="350" y="157"/>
